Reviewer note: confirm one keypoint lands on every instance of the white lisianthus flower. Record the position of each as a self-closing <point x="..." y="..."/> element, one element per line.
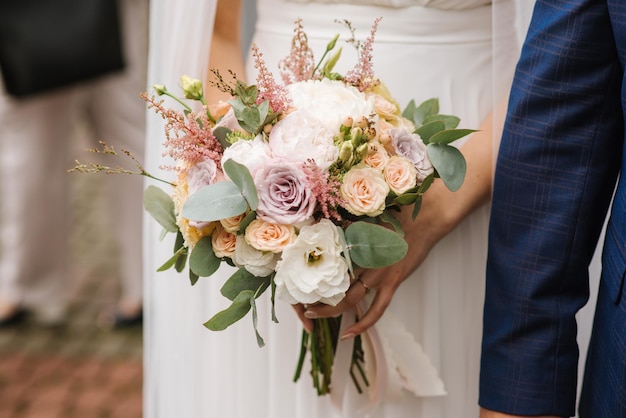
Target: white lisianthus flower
<point x="411" y="146"/>
<point x="312" y="269"/>
<point x="253" y="154"/>
<point x="364" y="191"/>
<point x="400" y="174"/>
<point x="258" y="263"/>
<point x="266" y="236"/>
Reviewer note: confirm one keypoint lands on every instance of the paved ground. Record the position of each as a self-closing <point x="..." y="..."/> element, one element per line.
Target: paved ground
<point x="79" y="370"/>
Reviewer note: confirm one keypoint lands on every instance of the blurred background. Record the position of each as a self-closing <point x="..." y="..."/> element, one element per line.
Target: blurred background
<point x="81" y="367"/>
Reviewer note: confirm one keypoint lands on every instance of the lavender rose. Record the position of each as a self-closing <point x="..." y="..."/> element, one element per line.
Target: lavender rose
<point x="411" y="146"/>
<point x="284" y="195"/>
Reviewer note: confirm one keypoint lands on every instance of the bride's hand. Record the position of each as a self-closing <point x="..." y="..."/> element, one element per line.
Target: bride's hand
<point x="421" y="235"/>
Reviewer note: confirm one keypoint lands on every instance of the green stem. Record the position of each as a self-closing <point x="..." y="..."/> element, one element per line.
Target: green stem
<point x="208" y="112"/>
<point x="303" y="349"/>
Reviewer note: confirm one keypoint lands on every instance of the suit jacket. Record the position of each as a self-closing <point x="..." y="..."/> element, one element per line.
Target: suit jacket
<point x="561" y="154"/>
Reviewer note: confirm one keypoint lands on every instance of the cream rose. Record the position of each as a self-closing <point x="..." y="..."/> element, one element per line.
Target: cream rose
<point x="364" y="190"/>
<point x="400" y="174"/>
<point x="266" y="236"/>
<point x="224" y="242"/>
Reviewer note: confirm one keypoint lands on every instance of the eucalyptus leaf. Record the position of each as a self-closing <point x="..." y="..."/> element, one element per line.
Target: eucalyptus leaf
<point x="427" y="130"/>
<point x="242" y="280"/>
<point x="250" y="119"/>
<point x="409" y="110"/>
<point x="450" y="135"/>
<point x="172" y="260"/>
<point x="255" y="321"/>
<point x="449" y="163"/>
<point x="374" y="246"/>
<point x="388" y="217"/>
<point x="264" y="109"/>
<point x="214" y="202"/>
<point x="428" y="181"/>
<point x="426" y="108"/>
<point x="181" y="261"/>
<point x="417" y="206"/>
<point x="346" y="250"/>
<point x="221" y="133"/>
<point x="161" y="207"/>
<point x="193" y="277"/>
<point x="202" y="260"/>
<point x="251" y="216"/>
<point x="240" y="175"/>
<point x="237" y="310"/>
<point x="449" y="121"/>
<point x="406" y="199"/>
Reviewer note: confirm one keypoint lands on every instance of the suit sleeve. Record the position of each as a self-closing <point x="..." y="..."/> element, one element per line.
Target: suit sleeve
<point x="555" y="174"/>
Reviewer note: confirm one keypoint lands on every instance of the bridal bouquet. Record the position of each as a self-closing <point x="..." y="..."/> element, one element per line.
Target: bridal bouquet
<point x="296" y="184"/>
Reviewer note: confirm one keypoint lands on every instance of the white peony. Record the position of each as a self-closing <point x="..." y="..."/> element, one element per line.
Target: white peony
<point x="251" y="153"/>
<point x="312" y="268"/>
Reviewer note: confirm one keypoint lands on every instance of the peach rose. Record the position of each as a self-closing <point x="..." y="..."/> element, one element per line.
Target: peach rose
<point x="377" y="156"/>
<point x="266" y="236"/>
<point x="364" y="190"/>
<point x="223" y="242"/>
<point x="233" y="223"/>
<point x="400" y="174"/>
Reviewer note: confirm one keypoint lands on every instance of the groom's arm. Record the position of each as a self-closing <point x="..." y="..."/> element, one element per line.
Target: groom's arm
<point x="556" y="170"/>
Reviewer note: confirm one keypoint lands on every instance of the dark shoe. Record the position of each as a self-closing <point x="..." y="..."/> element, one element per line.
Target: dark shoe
<point x="13" y="318"/>
<point x="123" y="321"/>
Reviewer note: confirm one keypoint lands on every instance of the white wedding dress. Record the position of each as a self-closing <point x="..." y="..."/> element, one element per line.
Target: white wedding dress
<point x="423" y="49"/>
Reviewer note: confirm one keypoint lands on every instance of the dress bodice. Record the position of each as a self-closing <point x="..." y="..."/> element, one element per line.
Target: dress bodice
<point x="437" y="4"/>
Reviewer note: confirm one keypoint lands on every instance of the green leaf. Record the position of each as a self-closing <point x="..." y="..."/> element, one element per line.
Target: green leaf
<point x="182" y="252"/>
<point x="240" y="175"/>
<point x="273" y="298"/>
<point x="255" y="321"/>
<point x="409" y="110"/>
<point x="251" y="216"/>
<point x="221" y="133"/>
<point x="242" y="280"/>
<point x="406" y="199"/>
<point x="374" y="246"/>
<point x="428" y="181"/>
<point x="417" y="114"/>
<point x="449" y="163"/>
<point x="182" y="259"/>
<point x="446" y="137"/>
<point x="214" y="202"/>
<point x="202" y="260"/>
<point x="263" y="110"/>
<point x="193" y="277"/>
<point x="161" y="206"/>
<point x="237" y="310"/>
<point x="346" y="250"/>
<point x="388" y="217"/>
<point x="417" y="206"/>
<point x="449" y="121"/>
<point x="427" y="130"/>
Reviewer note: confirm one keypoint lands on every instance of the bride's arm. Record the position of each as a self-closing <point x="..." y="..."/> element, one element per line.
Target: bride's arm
<point x="226" y="48"/>
<point x="442" y="210"/>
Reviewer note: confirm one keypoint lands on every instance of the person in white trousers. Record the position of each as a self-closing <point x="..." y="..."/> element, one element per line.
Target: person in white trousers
<point x="35" y="153"/>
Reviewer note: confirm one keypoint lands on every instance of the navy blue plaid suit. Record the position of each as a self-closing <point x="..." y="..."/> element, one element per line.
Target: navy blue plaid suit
<point x="561" y="154"/>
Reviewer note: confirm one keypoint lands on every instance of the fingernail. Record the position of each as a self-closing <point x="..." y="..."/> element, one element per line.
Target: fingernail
<point x="310" y="315"/>
<point x="346" y="336"/>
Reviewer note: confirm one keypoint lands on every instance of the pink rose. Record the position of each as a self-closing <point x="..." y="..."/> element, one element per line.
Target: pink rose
<point x="284" y="195"/>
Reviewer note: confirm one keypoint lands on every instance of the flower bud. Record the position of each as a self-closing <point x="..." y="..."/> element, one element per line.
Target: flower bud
<point x="332" y="43"/>
<point x="345" y="153"/>
<point x="192" y="87"/>
<point x="362" y="122"/>
<point x="348" y="121"/>
<point x="362" y="151"/>
<point x="370" y="133"/>
<point x="332" y="61"/>
<point x="160" y="89"/>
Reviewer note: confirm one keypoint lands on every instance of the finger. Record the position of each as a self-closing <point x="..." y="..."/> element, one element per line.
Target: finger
<point x="354" y="294"/>
<point x="306" y="322"/>
<point x="374" y="313"/>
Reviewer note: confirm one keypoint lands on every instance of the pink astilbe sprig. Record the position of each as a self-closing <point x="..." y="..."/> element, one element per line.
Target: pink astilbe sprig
<point x="325" y="188"/>
<point x="299" y="64"/>
<point x="268" y="88"/>
<point x="189" y="137"/>
<point x="362" y="75"/>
